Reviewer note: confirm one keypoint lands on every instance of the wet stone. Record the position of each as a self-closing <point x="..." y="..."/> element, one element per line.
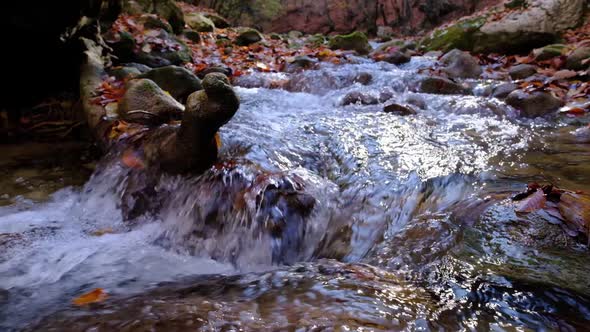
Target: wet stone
<point x="398" y="109"/>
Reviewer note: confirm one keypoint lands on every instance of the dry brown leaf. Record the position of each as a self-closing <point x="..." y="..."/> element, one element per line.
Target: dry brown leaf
<point x="534" y="202"/>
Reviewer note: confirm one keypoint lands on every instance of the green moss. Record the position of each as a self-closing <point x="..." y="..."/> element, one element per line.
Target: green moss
<point x="460" y="35"/>
<point x="356" y="41"/>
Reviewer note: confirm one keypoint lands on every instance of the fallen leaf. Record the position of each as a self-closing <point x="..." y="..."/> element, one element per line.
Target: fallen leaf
<point x="131" y="159"/>
<point x="101" y="232"/>
<point x="533" y="202"/>
<point x="94" y="296"/>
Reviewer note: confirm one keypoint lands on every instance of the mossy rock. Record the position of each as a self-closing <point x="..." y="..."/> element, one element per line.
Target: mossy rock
<point x="178" y="81"/>
<point x="170" y="11"/>
<point x="151" y="21"/>
<point x="459" y="35"/>
<point x="549" y="51"/>
<point x="248" y="36"/>
<point x="121" y="73"/>
<point x="164" y="57"/>
<point x="144" y="102"/>
<point x="166" y="9"/>
<point x="199" y="22"/>
<point x="514" y="4"/>
<point x="316" y="40"/>
<point x="356" y="41"/>
<point x="219" y="21"/>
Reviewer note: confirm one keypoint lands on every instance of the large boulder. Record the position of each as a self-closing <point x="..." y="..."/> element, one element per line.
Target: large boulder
<point x="458" y="64"/>
<point x="145" y="102"/>
<point x="179" y="82"/>
<point x="533" y="104"/>
<point x="538" y="23"/>
<point x="192" y="147"/>
<point x="575" y="60"/>
<point x="199" y="22"/>
<point x="248" y="36"/>
<point x="356" y="41"/>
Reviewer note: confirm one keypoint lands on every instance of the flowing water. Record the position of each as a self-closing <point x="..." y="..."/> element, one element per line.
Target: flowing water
<point x="411" y="226"/>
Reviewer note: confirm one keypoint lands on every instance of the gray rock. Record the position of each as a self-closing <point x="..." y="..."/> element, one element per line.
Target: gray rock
<point x="248" y="36"/>
<point x="151" y="21"/>
<point x="145" y="102"/>
<point x="533" y="104"/>
<point x="459" y="64"/>
<point x="179" y="82"/>
<point x="576" y="58"/>
<point x="440" y="85"/>
<point x="397" y="58"/>
<point x="399" y="109"/>
<point x="522" y="71"/>
<point x="503" y="90"/>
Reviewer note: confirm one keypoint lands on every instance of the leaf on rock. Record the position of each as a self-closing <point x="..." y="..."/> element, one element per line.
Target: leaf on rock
<point x="94" y="296"/>
<point x="532" y="203"/>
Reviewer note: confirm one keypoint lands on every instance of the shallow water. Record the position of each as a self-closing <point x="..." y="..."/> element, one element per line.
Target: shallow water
<point x="412" y="226"/>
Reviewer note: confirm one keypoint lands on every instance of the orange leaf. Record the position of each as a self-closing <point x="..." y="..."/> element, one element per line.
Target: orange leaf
<point x="94" y="296"/>
<point x="131" y="159"/>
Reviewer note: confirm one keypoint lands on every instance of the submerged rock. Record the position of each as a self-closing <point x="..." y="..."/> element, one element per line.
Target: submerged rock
<point x="248" y="36"/>
<point x="533" y="104"/>
<point x="356" y="41"/>
<point x="363" y="78"/>
<point x="357" y="97"/>
<point x="440" y="85"/>
<point x="178" y="81"/>
<point x="145" y="102"/>
<point x="460" y="64"/>
<point x="522" y="71"/>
